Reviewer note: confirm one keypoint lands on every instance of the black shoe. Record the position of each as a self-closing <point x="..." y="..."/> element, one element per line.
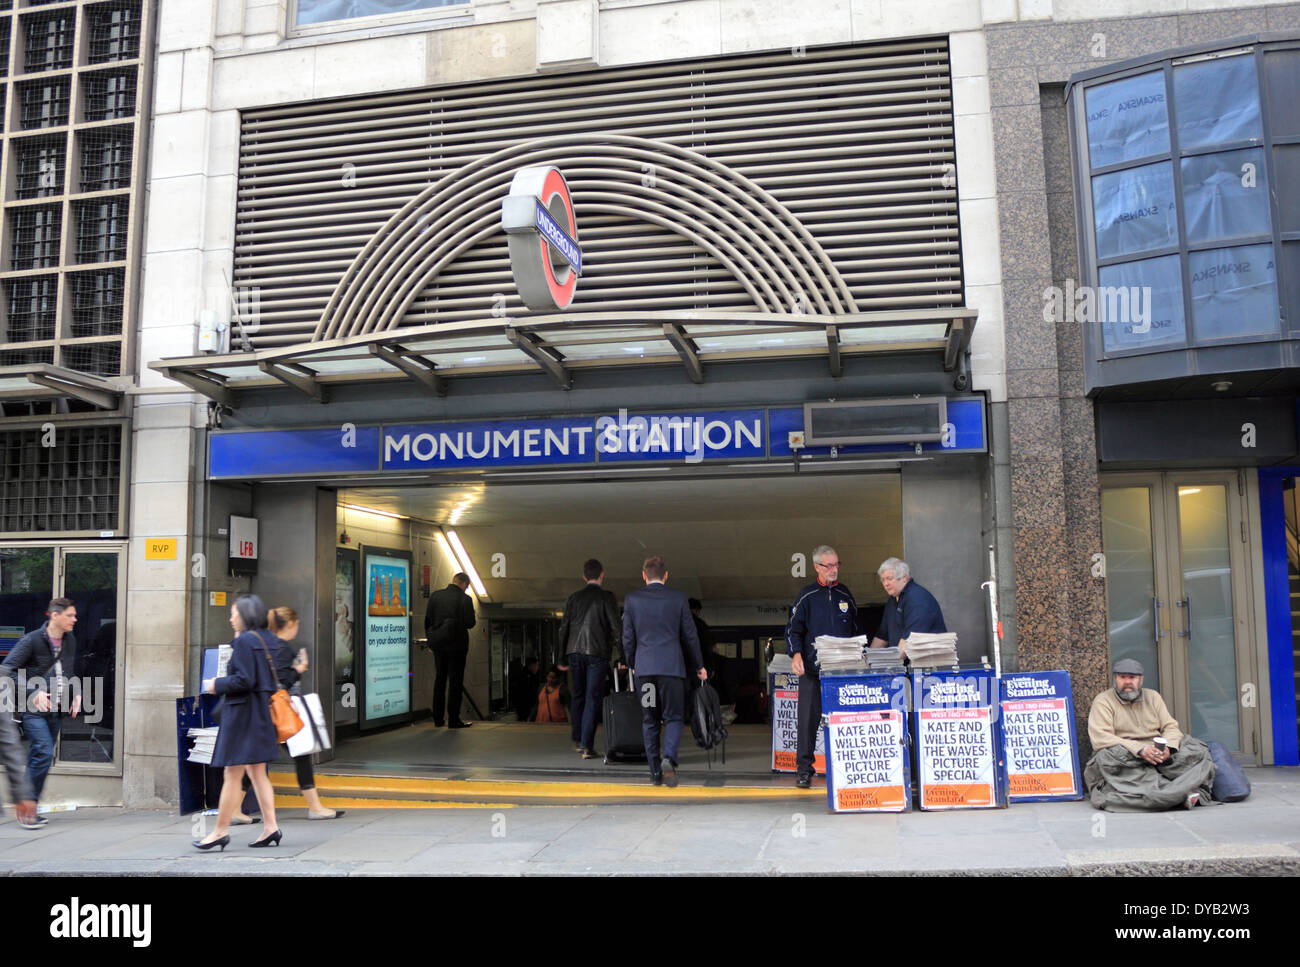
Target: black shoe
<point x="223" y="842"/>
<point x="437" y="723"/>
<point x="657" y="778"/>
<point x="459" y="725"/>
<point x="670" y="773"/>
<point x="804" y="781"/>
<point x="271" y="839"/>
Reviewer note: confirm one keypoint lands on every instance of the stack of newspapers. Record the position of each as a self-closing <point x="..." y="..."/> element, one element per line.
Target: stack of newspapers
<point x="205" y="740"/>
<point x="932" y="651"/>
<point x="840" y="654"/>
<point x="781" y="664"/>
<point x="879" y="658"/>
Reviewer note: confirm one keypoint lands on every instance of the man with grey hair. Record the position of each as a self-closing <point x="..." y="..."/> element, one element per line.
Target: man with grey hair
<point x="1141" y="759"/>
<point x="910" y="607"/>
<point x="824" y="607"/>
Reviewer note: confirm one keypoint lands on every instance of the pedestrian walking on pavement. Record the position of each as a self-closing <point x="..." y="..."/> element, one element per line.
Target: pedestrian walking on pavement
<point x="289" y="667"/>
<point x="659" y="638"/>
<point x="246" y="739"/>
<point x="589" y="636"/>
<point x="11" y="751"/>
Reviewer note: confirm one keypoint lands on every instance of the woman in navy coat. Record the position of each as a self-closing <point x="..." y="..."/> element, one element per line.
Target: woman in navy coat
<point x="246" y="740"/>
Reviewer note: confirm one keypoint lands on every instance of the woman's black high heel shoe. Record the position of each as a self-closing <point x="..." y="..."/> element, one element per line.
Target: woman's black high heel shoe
<point x="272" y="839"/>
<point x="223" y="842"/>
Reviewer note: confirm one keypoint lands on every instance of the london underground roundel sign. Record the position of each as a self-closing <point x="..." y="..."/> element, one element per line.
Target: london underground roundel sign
<point x="543" y="234"/>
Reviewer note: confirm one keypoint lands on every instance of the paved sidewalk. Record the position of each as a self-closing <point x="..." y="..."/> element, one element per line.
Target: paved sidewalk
<point x="1260" y="836"/>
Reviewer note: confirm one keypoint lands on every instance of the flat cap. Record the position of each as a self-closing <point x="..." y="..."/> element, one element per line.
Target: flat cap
<point x="1128" y="666"/>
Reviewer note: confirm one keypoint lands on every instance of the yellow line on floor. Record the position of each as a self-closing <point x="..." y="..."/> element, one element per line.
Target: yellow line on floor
<point x="512" y="790"/>
<point x="335" y="802"/>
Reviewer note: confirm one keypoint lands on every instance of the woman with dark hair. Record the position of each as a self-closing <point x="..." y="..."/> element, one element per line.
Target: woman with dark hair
<point x="288" y="667"/>
<point x="246" y="740"/>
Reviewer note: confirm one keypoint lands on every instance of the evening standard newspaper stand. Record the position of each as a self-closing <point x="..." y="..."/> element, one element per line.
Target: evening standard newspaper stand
<point x="783" y="686"/>
<point x="1038" y="736"/>
<point x="957" y="741"/>
<point x="865" y="733"/>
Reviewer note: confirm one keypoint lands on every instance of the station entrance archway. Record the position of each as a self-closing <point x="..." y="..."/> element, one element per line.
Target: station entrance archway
<point x="740" y="544"/>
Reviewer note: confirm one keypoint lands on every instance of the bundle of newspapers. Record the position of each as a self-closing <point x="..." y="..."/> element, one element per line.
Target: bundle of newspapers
<point x="781" y="664"/>
<point x="932" y="651"/>
<point x="205" y="740"/>
<point x="883" y="658"/>
<point x="840" y="654"/>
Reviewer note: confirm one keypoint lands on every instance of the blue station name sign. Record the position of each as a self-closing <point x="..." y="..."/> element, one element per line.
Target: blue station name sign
<point x="693" y="437"/>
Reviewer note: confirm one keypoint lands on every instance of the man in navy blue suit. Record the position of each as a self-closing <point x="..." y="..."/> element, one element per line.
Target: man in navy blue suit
<point x="658" y="639"/>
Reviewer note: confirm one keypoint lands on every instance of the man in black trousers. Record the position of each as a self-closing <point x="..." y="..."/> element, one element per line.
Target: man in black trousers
<point x="658" y="638"/>
<point x="446" y="625"/>
<point x="824" y="607"/>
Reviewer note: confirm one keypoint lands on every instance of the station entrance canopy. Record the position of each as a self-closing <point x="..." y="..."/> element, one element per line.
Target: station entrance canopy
<point x="559" y="345"/>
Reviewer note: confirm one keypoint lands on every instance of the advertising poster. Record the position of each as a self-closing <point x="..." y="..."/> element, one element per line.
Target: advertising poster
<point x="784" y="689"/>
<point x="387" y="690"/>
<point x="866" y="762"/>
<point x="955" y="750"/>
<point x="1038" y="737"/>
<point x="346" y="564"/>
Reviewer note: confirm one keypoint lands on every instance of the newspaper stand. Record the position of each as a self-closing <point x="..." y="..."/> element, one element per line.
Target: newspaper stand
<point x="959" y="760"/>
<point x="783" y="686"/>
<point x="866" y="736"/>
<point x="1038" y="737"/>
<point x="200" y="785"/>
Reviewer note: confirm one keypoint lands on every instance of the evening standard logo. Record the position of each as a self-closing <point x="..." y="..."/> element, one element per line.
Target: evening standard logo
<point x="955" y="692"/>
<point x="102" y="921"/>
<point x="1028" y="687"/>
<point x="862" y="695"/>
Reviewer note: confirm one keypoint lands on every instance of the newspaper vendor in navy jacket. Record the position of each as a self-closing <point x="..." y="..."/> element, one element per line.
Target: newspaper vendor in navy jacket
<point x="825" y="607"/>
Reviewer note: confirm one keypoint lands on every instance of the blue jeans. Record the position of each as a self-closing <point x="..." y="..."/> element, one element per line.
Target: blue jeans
<point x="42" y="731"/>
<point x="590" y="675"/>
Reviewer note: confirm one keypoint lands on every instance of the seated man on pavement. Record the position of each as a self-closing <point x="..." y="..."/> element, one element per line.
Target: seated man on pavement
<point x="1141" y="759"/>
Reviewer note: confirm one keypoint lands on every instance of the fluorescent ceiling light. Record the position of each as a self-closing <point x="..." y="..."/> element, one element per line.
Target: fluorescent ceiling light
<point x="452" y="559"/>
<point x="468" y="565"/>
<point x="377" y="513"/>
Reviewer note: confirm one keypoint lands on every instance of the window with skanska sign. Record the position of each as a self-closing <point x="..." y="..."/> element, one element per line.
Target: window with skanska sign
<point x="1178" y="166"/>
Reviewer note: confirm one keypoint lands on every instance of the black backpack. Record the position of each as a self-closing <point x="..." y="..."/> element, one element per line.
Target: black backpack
<point x="706" y="721"/>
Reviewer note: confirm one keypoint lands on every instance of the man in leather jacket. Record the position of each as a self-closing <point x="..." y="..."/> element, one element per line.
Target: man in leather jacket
<point x="589" y="635"/>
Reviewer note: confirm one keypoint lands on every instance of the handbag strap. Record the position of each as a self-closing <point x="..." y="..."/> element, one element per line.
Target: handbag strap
<point x="267" y="651"/>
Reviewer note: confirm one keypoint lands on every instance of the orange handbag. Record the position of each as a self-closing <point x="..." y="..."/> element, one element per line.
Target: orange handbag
<point x="286" y="720"/>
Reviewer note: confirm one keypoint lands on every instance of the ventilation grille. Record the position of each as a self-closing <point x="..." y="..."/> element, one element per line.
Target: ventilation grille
<point x="70" y="486"/>
<point x="856" y="141"/>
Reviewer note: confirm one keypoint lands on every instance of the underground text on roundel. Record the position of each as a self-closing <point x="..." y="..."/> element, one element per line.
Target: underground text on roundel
<point x="75" y="920"/>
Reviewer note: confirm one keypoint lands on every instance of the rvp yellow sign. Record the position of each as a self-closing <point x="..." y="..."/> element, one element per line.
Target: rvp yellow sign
<point x="160" y="549"/>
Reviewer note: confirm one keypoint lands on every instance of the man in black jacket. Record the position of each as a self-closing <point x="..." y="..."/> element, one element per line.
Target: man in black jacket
<point x="588" y="635"/>
<point x="38" y="661"/>
<point x="446" y="625"/>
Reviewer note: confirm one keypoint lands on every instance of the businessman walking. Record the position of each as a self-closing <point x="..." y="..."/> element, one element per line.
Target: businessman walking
<point x="658" y="639"/>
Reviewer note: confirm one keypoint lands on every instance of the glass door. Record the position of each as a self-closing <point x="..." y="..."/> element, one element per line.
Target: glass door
<point x="1176" y="595"/>
<point x="90" y="581"/>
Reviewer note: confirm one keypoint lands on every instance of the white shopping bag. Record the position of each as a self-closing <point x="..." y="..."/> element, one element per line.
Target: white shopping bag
<point x="312" y="737"/>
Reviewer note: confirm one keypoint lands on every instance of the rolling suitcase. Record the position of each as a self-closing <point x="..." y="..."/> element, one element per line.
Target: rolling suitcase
<point x="622" y="716"/>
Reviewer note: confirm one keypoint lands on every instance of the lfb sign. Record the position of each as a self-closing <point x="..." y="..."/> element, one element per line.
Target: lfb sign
<point x="543" y="234"/>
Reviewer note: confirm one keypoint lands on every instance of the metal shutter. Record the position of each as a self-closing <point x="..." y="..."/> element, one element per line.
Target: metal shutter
<point x="856" y="140"/>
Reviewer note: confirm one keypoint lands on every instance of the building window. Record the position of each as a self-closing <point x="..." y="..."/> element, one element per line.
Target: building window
<point x="322" y="11"/>
<point x="114" y="32"/>
<point x="1178" y="188"/>
<point x="40" y="166"/>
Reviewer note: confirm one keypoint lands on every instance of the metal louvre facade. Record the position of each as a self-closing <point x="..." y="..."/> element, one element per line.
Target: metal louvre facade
<point x="855" y="142"/>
